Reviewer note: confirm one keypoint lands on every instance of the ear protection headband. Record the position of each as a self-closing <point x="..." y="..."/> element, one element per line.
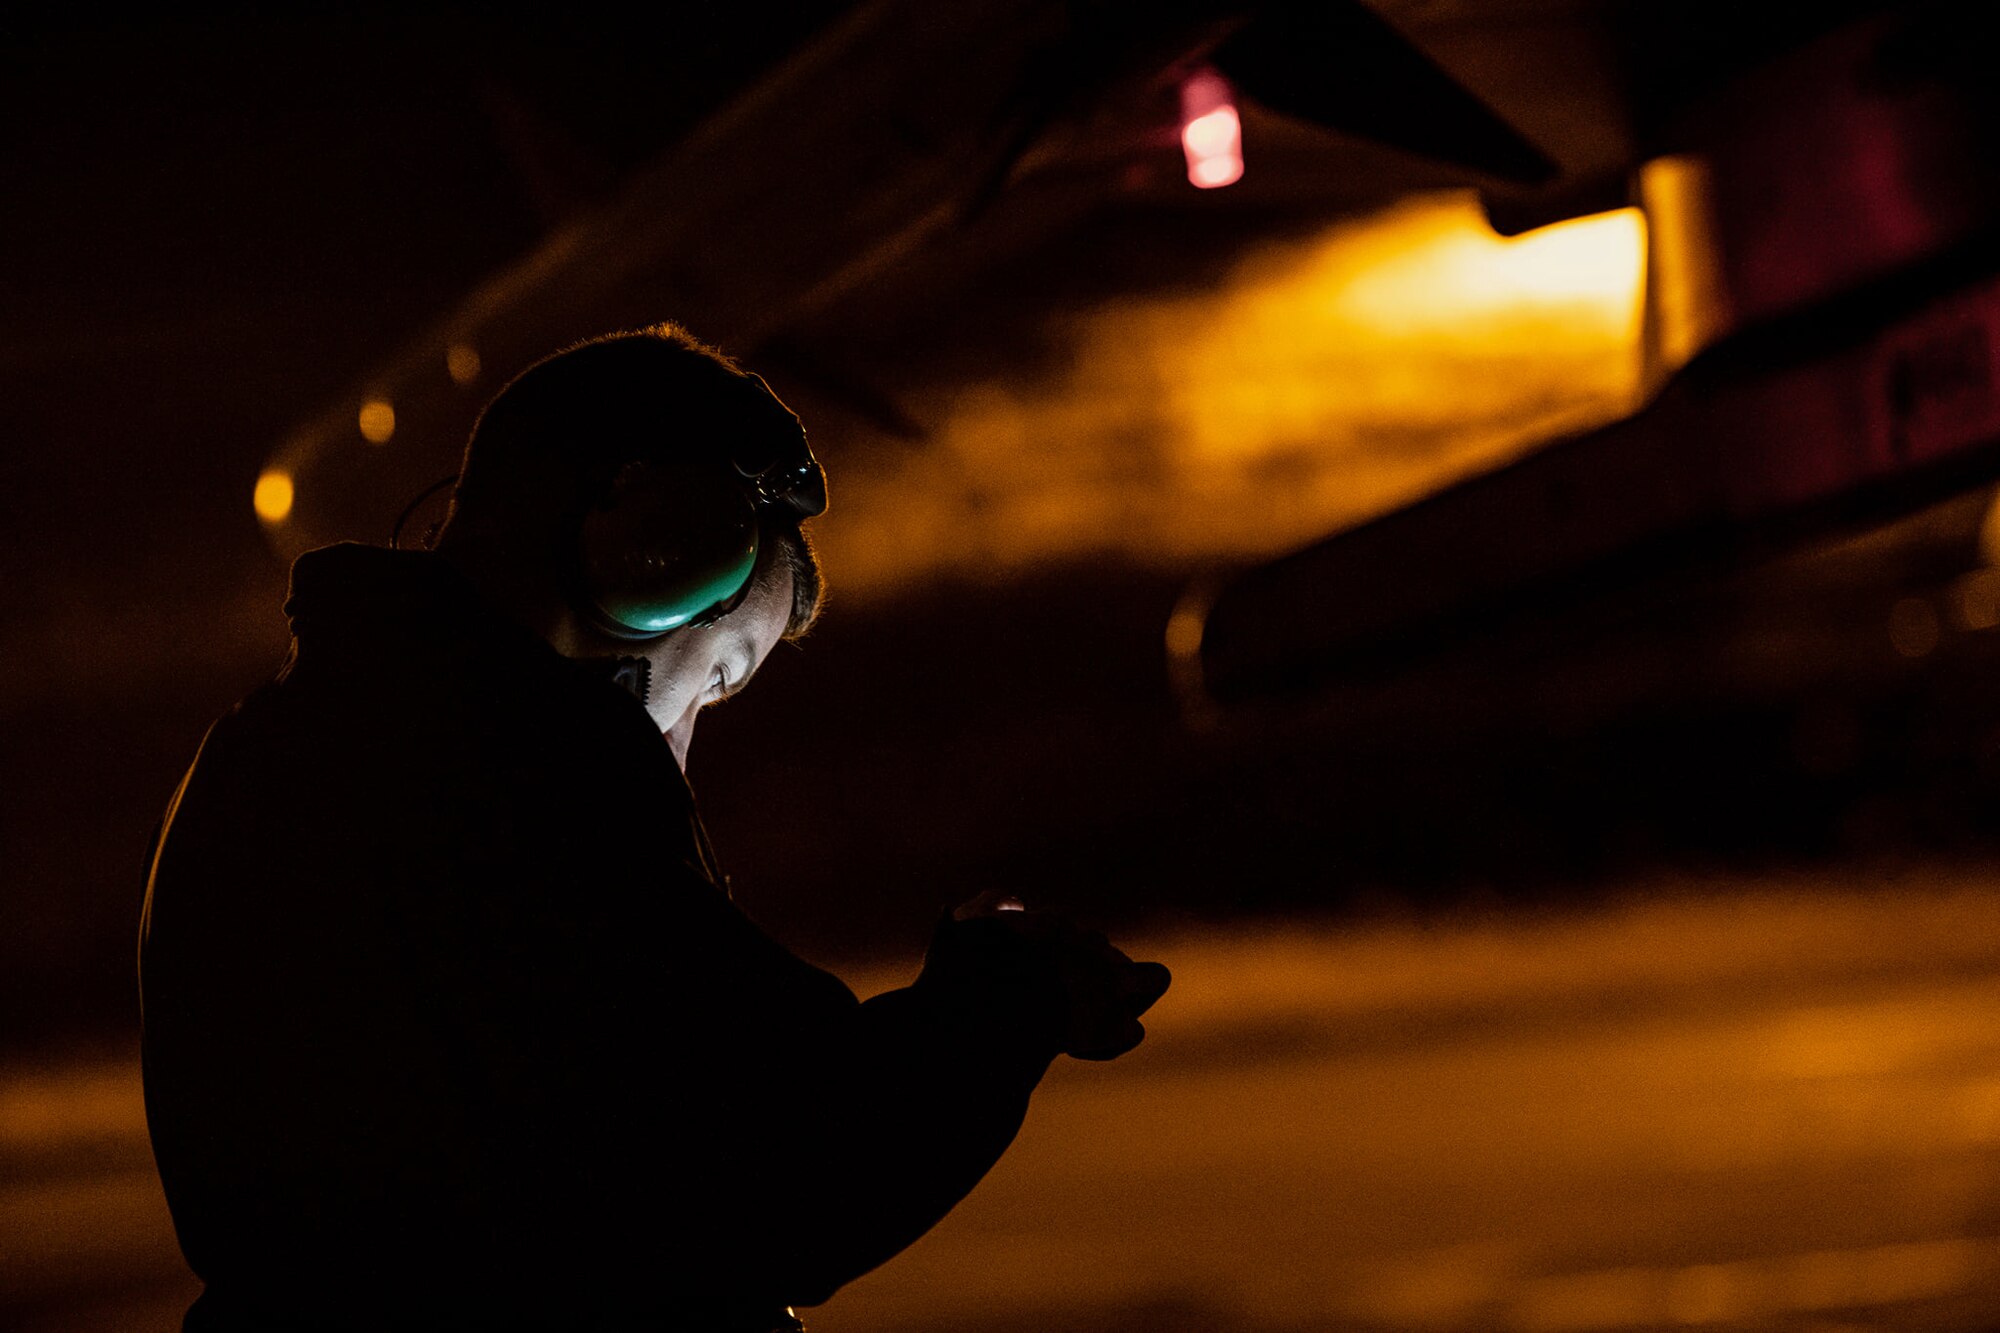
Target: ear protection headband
<point x="670" y="544"/>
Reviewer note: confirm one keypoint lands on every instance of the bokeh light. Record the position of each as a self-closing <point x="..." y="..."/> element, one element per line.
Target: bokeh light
<point x="1212" y="173"/>
<point x="462" y="363"/>
<point x="1977" y="599"/>
<point x="273" y="496"/>
<point x="377" y="421"/>
<point x="1211" y="131"/>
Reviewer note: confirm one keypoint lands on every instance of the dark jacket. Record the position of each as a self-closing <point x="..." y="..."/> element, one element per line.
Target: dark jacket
<point x="449" y="1025"/>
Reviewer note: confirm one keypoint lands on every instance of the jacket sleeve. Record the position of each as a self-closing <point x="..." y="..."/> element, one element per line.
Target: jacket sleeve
<point x="697" y="1091"/>
<point x="871" y="1121"/>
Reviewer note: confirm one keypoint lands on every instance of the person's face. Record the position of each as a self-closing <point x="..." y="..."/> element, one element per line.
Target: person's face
<point x="693" y="668"/>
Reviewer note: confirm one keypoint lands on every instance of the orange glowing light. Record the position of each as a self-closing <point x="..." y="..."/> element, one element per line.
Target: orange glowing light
<point x="1978" y="601"/>
<point x="462" y="363"/>
<point x="1588" y="271"/>
<point x="1211" y="131"/>
<point x="1989" y="532"/>
<point x="1687" y="299"/>
<point x="377" y="421"/>
<point x="1318" y="383"/>
<point x="273" y="496"/>
<point x="1184" y="631"/>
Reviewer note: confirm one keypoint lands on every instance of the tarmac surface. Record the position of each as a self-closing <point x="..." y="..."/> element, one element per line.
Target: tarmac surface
<point x="1722" y="1106"/>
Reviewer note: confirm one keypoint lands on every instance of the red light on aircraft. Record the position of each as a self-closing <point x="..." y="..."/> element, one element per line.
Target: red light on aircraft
<point x="1211" y="131"/>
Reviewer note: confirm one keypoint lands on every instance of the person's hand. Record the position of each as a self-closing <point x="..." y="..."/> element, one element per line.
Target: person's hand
<point x="1102" y="991"/>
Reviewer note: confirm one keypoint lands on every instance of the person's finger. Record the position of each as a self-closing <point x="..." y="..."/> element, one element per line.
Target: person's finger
<point x="1144" y="984"/>
<point x="1122" y="1038"/>
<point x="988" y="903"/>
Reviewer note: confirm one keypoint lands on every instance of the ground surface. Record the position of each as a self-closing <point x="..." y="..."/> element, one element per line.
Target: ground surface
<point x="1739" y="1108"/>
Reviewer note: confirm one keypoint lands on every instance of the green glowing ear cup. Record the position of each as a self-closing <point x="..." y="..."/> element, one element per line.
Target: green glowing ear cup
<point x="664" y="547"/>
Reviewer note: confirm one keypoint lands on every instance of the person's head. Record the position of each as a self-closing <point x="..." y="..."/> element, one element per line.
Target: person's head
<point x="557" y="442"/>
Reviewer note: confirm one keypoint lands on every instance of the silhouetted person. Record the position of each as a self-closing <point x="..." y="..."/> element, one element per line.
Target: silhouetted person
<point x="449" y="1021"/>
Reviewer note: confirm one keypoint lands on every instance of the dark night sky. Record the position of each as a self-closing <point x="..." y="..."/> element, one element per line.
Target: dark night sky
<point x="213" y="223"/>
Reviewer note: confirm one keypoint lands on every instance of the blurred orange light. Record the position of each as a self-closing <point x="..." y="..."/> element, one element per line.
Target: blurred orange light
<point x="1989" y="533"/>
<point x="377" y="421"/>
<point x="1184" y="631"/>
<point x="1687" y="297"/>
<point x="1587" y="270"/>
<point x="1321" y="380"/>
<point x="462" y="363"/>
<point x="1979" y="599"/>
<point x="273" y="497"/>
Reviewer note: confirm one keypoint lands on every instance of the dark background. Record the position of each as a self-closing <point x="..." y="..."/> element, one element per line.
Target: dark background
<point x="218" y="224"/>
<point x="216" y="221"/>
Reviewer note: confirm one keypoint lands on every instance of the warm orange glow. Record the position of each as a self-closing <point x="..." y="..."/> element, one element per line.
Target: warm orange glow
<point x="461" y="362"/>
<point x="1978" y="599"/>
<point x="273" y="497"/>
<point x="1184" y="631"/>
<point x="1319" y="383"/>
<point x="1757" y="1104"/>
<point x="1989" y="532"/>
<point x="1688" y="305"/>
<point x="1753" y="1291"/>
<point x="377" y="421"/>
<point x="69" y="1106"/>
<point x="1588" y="271"/>
<point x="1548" y="1121"/>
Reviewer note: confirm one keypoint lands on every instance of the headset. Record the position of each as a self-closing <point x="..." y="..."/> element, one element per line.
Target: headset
<point x="667" y="543"/>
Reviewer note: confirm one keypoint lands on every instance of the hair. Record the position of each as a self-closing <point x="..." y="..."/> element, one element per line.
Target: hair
<point x="559" y="431"/>
<point x="795" y="550"/>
